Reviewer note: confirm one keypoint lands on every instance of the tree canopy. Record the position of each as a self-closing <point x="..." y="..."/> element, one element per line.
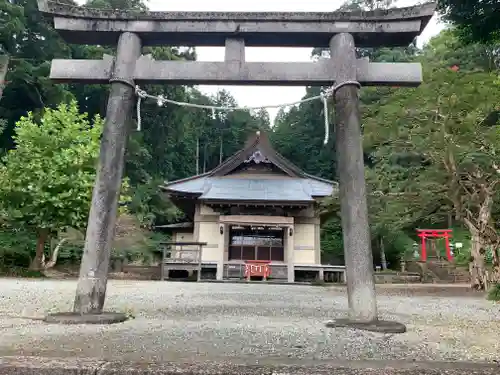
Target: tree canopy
<point x="477" y="21"/>
<point x="47" y="179"/>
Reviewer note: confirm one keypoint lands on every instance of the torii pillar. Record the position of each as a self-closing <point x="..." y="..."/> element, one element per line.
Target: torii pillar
<point x="352" y="193"/>
<point x="94" y="268"/>
<point x="352" y="185"/>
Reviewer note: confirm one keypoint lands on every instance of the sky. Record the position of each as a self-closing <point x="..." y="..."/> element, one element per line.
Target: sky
<point x="259" y="96"/>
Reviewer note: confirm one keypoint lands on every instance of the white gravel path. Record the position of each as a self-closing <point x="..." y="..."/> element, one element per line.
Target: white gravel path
<point x="190" y="321"/>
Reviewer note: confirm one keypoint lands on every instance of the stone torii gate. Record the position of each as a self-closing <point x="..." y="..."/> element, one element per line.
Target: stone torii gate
<point x="340" y="31"/>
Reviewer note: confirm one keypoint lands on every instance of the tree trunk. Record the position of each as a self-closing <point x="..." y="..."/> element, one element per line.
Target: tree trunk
<point x="495" y="274"/>
<point x="205" y="158"/>
<point x="198" y="155"/>
<point x="37" y="262"/>
<point x="383" y="259"/>
<point x="4" y="65"/>
<point x="220" y="150"/>
<point x="480" y="278"/>
<point x="477" y="268"/>
<point x="435" y="250"/>
<point x="53" y="259"/>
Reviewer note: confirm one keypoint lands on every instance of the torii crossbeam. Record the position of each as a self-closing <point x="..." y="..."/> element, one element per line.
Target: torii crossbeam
<point x="340" y="31"/>
<point x="235" y="31"/>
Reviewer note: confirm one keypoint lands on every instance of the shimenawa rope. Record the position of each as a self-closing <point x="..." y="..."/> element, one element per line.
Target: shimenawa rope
<point x="161" y="100"/>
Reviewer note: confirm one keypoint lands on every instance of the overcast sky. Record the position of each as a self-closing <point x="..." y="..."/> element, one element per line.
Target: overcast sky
<point x="257" y="96"/>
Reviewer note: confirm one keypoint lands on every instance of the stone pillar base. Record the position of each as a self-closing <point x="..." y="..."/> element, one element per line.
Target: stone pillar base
<point x="380" y="326"/>
<point x="91" y="318"/>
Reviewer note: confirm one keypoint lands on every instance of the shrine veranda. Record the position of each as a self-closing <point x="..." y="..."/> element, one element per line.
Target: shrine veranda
<point x="341" y="32"/>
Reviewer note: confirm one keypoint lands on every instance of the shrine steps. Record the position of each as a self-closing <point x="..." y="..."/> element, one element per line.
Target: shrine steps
<point x="440" y="272"/>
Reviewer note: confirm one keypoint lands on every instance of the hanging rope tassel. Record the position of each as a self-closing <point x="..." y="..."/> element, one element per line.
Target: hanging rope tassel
<point x="139" y="99"/>
<point x="141" y="94"/>
<point x="324" y="99"/>
<point x="330" y="92"/>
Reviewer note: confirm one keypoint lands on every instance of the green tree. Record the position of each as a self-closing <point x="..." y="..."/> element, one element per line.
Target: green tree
<point x="117" y="4"/>
<point x="354" y="5"/>
<point x="30" y="46"/>
<point x="407" y="188"/>
<point x="434" y="149"/>
<point x="47" y="180"/>
<point x="299" y="134"/>
<point x="448" y="50"/>
<point x="11" y="24"/>
<point x="478" y="21"/>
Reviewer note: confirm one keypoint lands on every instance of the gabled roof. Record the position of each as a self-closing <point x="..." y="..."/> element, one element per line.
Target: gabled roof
<point x="217" y="185"/>
<point x="257" y="145"/>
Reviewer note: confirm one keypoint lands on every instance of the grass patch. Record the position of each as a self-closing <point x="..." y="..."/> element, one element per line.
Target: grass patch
<point x="494" y="293"/>
<point x="21" y="272"/>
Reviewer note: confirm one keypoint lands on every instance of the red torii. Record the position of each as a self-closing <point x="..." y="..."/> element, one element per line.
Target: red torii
<point x="435" y="233"/>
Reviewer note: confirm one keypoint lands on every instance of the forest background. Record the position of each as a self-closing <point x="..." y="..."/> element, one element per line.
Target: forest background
<point x="431" y="153"/>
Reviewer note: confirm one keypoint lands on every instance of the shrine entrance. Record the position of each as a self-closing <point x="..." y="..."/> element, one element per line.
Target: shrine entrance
<point x="256" y="249"/>
<point x="430" y="236"/>
<point x="249" y="243"/>
<point x="342" y="75"/>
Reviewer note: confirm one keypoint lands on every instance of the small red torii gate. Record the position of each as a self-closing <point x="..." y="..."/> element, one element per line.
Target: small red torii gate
<point x="435" y="233"/>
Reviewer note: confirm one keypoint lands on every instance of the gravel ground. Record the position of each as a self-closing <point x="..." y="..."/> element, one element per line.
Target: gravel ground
<point x="250" y="323"/>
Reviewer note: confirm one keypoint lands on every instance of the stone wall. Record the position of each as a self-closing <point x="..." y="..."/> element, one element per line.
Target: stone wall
<point x="137" y="273"/>
<point x="397" y="277"/>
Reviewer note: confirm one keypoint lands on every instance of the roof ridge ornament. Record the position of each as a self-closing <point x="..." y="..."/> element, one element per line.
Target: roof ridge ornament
<point x="258" y="157"/>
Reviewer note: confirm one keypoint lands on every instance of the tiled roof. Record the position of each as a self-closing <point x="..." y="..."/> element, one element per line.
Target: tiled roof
<point x="187" y="225"/>
<point x="248" y="189"/>
<point x="218" y="184"/>
<point x="191" y="186"/>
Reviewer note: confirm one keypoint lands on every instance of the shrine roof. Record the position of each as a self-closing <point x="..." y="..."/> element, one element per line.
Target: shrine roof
<point x="251" y="189"/>
<point x="185" y="227"/>
<point x="291" y="185"/>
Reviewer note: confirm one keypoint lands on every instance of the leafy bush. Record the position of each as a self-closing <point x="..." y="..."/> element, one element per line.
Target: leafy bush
<point x="71" y="253"/>
<point x="462" y="257"/>
<point x="20" y="272"/>
<point x="134" y="243"/>
<point x="17" y="247"/>
<point x="148" y="251"/>
<point x="332" y="244"/>
<point x="494" y="293"/>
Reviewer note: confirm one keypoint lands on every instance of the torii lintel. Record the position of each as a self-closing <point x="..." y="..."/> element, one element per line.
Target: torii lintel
<point x="391" y="27"/>
<point x="319" y="73"/>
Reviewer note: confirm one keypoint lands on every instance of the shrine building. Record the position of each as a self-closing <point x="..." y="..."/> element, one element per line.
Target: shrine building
<point x="254" y="208"/>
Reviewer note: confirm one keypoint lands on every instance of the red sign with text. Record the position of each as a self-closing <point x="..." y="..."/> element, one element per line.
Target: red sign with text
<point x="257" y="268"/>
